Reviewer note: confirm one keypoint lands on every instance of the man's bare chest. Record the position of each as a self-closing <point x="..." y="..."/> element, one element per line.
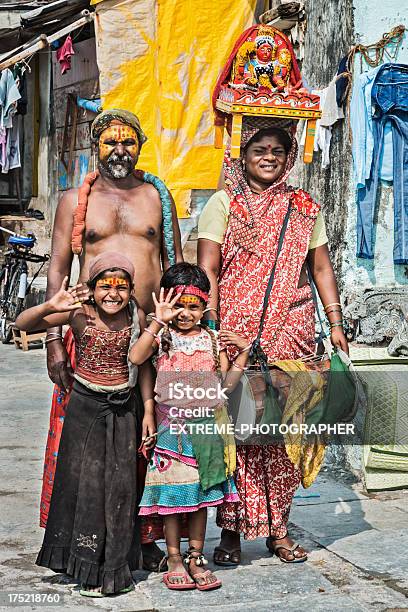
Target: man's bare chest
<point x="117" y="216"/>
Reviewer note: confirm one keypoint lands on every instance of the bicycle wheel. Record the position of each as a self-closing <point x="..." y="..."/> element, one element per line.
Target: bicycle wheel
<point x="2" y="285"/>
<point x="12" y="307"/>
<point x="3" y="294"/>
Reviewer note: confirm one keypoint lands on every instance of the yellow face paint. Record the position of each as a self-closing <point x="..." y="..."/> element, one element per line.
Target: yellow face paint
<point x="118" y="134"/>
<point x="112" y="282"/>
<point x="188" y="299"/>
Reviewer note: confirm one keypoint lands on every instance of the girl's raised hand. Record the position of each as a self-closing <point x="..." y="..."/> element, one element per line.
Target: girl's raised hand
<point x="165" y="306"/>
<point x="68" y="299"/>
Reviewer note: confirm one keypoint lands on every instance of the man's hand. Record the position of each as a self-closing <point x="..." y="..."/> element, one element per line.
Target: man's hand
<point x="58" y="364"/>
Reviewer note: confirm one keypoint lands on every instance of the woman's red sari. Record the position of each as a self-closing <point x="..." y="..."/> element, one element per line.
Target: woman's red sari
<point x="266" y="479"/>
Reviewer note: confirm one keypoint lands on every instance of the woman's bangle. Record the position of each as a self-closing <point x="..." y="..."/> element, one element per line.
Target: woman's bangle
<point x="162" y="323"/>
<point x="336" y="321"/>
<point x="239" y="367"/>
<point x="339" y="324"/>
<point x="332" y="304"/>
<point x="333" y="310"/>
<point x="149" y="331"/>
<point x="48" y="340"/>
<point x="56" y="334"/>
<point x="244" y="350"/>
<point x="208" y="310"/>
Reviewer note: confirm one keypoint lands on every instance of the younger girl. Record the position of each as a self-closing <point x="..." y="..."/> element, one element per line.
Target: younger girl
<point x="187" y="473"/>
<point x="90" y="532"/>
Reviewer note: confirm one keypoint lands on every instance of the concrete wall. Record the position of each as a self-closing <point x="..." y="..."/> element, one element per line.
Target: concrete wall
<point x="328" y="37"/>
<point x="82" y="80"/>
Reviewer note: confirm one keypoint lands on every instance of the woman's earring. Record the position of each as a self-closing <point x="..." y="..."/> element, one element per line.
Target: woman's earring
<point x="244" y="165"/>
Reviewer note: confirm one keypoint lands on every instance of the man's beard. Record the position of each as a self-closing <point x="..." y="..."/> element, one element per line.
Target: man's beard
<point x="117" y="166"/>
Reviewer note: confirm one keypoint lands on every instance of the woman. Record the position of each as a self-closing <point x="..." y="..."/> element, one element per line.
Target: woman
<point x="238" y="235"/>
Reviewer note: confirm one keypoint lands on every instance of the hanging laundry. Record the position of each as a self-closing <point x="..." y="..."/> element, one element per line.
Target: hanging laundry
<point x="3" y="143"/>
<point x="64" y="54"/>
<point x="343" y="80"/>
<point x="19" y="74"/>
<point x="330" y="114"/>
<point x="11" y="158"/>
<point x="361" y="123"/>
<point x="389" y="97"/>
<point x="9" y="94"/>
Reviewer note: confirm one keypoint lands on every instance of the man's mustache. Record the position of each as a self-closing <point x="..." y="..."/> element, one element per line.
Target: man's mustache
<point x="114" y="158"/>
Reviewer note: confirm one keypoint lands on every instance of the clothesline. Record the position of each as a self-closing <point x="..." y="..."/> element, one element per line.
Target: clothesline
<point x="395" y="37"/>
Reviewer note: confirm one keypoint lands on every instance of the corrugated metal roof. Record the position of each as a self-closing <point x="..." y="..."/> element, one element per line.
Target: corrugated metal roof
<point x="10" y="5"/>
<point x="59" y="9"/>
<point x="44" y="17"/>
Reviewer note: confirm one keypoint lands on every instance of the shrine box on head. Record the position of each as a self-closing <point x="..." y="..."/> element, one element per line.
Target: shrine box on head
<point x="262" y="79"/>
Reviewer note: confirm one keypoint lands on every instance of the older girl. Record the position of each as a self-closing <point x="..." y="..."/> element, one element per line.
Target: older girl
<point x="90" y="532"/>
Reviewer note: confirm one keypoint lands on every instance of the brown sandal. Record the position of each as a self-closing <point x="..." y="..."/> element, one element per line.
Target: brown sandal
<point x="275" y="548"/>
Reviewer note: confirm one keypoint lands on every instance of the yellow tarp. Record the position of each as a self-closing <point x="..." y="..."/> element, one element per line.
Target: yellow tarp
<point x="160" y="59"/>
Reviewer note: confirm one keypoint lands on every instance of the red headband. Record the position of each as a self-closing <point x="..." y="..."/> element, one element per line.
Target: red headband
<point x="191" y="290"/>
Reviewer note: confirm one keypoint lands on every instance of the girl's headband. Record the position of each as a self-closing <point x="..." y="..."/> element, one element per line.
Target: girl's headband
<point x="191" y="290"/>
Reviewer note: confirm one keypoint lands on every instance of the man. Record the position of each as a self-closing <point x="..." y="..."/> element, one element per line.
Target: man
<point x="116" y="209"/>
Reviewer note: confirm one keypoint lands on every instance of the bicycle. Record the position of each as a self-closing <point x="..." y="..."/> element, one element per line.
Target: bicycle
<point x="14" y="279"/>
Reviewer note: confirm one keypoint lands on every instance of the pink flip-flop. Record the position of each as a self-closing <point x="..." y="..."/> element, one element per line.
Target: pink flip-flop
<point x="206" y="587"/>
<point x="181" y="586"/>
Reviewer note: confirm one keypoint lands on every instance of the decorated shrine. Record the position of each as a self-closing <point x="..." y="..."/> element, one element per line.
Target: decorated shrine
<point x="262" y="78"/>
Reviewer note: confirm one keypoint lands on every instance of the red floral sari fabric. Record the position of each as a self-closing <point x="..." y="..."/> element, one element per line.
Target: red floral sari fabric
<point x="266" y="479"/>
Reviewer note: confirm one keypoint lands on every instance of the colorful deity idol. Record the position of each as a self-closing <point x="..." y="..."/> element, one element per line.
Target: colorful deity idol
<point x="263" y="63"/>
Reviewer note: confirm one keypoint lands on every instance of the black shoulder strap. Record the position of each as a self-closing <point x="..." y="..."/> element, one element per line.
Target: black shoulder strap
<point x="322" y="333"/>
<point x="272" y="275"/>
<point x="256" y="351"/>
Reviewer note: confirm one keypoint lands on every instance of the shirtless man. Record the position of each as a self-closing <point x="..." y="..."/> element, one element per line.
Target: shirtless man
<point x="124" y="213"/>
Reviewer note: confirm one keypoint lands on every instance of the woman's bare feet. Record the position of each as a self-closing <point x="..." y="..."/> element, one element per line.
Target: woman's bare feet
<point x="228" y="553"/>
<point x="286" y="549"/>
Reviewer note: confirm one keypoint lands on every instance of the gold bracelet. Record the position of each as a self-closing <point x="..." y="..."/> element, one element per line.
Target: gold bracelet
<point x="333" y="310"/>
<point x="332" y="304"/>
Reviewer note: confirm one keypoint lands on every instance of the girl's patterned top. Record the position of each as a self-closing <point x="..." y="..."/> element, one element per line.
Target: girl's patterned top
<point x="101" y="356"/>
<point x="190" y="361"/>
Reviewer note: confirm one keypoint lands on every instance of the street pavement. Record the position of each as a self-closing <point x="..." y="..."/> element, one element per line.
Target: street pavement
<point x="358" y="543"/>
